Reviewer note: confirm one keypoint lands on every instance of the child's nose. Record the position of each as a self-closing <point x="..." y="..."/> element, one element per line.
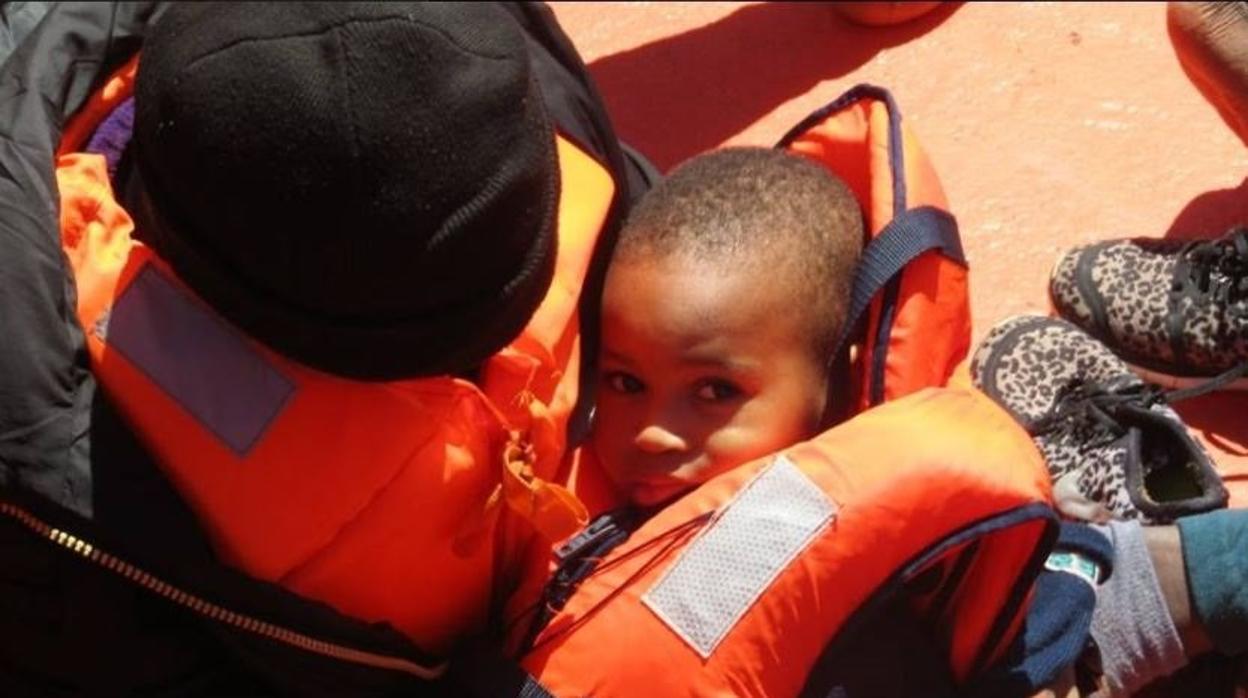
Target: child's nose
<point x="655" y="439"/>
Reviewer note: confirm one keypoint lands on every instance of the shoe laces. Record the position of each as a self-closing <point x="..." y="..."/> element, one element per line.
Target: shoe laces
<point x="1216" y="269"/>
<point x="1097" y="407"/>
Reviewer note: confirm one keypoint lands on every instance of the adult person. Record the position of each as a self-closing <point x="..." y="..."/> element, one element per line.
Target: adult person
<point x="1181" y="584"/>
<point x="317" y="251"/>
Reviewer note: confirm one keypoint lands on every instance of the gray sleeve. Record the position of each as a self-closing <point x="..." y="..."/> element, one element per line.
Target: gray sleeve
<point x="1131" y="625"/>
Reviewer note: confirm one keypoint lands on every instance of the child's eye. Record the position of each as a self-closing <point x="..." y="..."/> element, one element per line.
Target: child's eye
<point x="718" y="390"/>
<point x="622" y="382"/>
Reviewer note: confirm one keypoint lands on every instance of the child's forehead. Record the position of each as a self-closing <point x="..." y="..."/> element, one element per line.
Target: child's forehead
<point x="765" y="260"/>
<point x="689" y="299"/>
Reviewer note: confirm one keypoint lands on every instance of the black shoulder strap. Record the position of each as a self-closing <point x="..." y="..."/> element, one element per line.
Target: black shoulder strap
<point x="910" y="234"/>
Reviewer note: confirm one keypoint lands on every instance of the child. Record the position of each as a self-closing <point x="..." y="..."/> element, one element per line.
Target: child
<point x="729" y="286"/>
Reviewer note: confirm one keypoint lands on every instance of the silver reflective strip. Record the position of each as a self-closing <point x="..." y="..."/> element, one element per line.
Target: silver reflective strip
<point x="200" y="361"/>
<point x="722" y="572"/>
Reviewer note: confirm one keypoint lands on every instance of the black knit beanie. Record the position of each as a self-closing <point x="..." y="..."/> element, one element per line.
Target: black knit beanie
<point x="370" y="189"/>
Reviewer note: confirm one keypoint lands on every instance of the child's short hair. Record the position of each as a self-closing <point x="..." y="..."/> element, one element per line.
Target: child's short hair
<point x="764" y="208"/>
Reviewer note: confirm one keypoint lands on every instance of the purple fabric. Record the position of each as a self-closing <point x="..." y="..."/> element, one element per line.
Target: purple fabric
<point x="113" y="135"/>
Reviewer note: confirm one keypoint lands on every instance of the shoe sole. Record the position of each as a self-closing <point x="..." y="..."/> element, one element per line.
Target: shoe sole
<point x="1048" y="291"/>
<point x="1171" y="382"/>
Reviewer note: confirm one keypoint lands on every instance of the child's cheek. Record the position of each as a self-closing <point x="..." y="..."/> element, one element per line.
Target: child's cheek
<point x="729" y="448"/>
<point x="607" y="445"/>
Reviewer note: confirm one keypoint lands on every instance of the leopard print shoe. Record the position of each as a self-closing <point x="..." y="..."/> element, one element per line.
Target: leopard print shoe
<point x="1114" y="448"/>
<point x="1176" y="310"/>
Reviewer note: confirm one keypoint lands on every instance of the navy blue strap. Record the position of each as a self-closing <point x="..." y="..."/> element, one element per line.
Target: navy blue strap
<point x="856" y="662"/>
<point x="909" y="235"/>
<point x="853" y="95"/>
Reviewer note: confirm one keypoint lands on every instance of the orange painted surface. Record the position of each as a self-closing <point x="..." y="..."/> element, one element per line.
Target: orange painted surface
<point x="1051" y="125"/>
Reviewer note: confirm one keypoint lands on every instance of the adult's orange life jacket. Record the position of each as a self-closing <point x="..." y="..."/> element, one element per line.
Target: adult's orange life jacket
<point x="910" y="286"/>
<point x="743" y="586"/>
<point x="392" y="501"/>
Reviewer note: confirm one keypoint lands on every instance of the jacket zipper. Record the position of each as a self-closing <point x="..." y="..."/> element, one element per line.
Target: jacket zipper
<point x="205" y="608"/>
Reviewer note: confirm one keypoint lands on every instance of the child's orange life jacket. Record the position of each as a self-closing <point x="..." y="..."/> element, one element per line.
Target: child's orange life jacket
<point x="940" y="481"/>
<point x="742" y="586"/>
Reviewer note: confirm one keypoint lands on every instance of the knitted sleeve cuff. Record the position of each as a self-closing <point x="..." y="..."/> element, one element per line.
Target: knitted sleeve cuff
<point x="1131" y="625"/>
<point x="1215" y="557"/>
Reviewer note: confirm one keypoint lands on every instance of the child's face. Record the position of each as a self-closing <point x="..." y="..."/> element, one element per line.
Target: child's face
<point x="702" y="370"/>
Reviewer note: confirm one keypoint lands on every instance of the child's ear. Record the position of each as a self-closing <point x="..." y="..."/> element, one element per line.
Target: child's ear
<point x="581" y="421"/>
<point x="838" y="395"/>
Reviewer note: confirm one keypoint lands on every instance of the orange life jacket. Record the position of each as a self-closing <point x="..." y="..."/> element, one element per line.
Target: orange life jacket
<point x="911" y="282"/>
<point x="389" y="501"/>
<point x="738" y="587"/>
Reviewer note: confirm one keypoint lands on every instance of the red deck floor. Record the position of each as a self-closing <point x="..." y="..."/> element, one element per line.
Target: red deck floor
<point x="1051" y="125"/>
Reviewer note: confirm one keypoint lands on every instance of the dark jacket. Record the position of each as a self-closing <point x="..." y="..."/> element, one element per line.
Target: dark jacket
<point x="72" y="475"/>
